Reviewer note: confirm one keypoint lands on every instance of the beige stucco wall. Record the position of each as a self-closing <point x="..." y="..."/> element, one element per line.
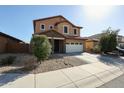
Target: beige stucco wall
<point x="70" y="27"/>
<point x="47" y="23"/>
<point x="73" y="41"/>
<point x="59" y="27"/>
<point x="90" y="45"/>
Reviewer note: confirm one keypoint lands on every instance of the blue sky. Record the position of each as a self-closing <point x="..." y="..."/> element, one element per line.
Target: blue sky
<point x="17" y="20"/>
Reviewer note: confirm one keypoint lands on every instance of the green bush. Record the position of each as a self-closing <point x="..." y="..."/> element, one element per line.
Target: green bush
<point x="108" y="41"/>
<point x="41" y="47"/>
<point x="96" y="49"/>
<point x="7" y="61"/>
<point x="104" y="43"/>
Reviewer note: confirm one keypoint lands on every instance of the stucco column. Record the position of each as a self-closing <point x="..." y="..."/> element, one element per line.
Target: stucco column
<point x="52" y="41"/>
<point x="64" y="46"/>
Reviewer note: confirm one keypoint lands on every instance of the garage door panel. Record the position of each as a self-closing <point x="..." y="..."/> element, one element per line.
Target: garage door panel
<point x="74" y="48"/>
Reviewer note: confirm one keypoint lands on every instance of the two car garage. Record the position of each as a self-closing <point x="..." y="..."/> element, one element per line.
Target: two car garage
<point x="74" y="47"/>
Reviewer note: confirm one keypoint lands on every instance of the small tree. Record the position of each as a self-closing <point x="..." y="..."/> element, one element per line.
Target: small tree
<point x="41" y="47"/>
<point x="96" y="49"/>
<point x="104" y="43"/>
<point x="108" y="41"/>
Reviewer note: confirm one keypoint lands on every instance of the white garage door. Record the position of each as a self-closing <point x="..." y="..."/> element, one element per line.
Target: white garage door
<point x="74" y="48"/>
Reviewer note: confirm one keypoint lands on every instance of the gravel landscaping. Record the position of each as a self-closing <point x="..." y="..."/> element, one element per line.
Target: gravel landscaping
<point x="26" y="63"/>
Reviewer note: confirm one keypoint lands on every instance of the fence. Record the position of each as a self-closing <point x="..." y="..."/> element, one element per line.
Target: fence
<point x="17" y="48"/>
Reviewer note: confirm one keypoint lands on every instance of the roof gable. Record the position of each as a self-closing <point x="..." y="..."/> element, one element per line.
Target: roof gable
<point x="57" y="22"/>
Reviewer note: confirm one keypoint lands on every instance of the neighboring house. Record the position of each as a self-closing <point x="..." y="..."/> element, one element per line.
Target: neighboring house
<point x="11" y="44"/>
<point x="94" y="40"/>
<point x="63" y="35"/>
<point x="95" y="36"/>
<point x="120" y="38"/>
<point x="90" y="44"/>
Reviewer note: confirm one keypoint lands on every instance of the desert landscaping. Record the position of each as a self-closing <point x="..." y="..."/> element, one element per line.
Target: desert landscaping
<point x="27" y="63"/>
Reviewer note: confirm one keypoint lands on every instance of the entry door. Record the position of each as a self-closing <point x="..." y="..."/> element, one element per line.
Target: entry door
<point x="56" y="46"/>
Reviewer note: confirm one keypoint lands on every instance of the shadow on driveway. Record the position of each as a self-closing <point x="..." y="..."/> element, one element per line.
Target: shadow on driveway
<point x="111" y="60"/>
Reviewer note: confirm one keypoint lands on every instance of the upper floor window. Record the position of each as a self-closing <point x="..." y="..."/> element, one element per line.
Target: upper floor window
<point x="65" y="29"/>
<point x="75" y="31"/>
<point x="51" y="26"/>
<point x="42" y="27"/>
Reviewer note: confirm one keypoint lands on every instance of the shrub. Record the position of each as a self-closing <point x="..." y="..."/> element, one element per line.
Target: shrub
<point x="41" y="47"/>
<point x="96" y="49"/>
<point x="104" y="43"/>
<point x="7" y="61"/>
<point x="108" y="41"/>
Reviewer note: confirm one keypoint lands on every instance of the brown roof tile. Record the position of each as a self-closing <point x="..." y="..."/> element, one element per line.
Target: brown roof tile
<point x="65" y="36"/>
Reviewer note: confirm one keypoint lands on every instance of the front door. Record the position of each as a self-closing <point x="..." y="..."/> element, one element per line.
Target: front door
<point x="56" y="46"/>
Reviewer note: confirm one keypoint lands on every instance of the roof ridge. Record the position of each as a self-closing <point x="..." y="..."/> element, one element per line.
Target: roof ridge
<point x="47" y="17"/>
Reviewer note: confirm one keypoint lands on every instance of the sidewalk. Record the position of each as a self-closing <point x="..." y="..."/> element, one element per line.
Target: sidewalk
<point x="89" y="75"/>
<point x="116" y="83"/>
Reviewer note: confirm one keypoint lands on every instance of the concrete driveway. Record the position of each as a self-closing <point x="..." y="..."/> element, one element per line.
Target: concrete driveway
<point x="106" y="59"/>
<point x="115" y="83"/>
<point x="91" y="75"/>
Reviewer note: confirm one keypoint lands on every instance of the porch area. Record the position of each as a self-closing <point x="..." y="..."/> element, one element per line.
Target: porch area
<point x="58" y="45"/>
<point x="56" y="39"/>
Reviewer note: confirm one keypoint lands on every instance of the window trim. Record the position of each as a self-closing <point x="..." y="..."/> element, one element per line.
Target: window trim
<point x="81" y="43"/>
<point x="76" y="31"/>
<point x="50" y="26"/>
<point x="41" y="28"/>
<point x="72" y="43"/>
<point x="76" y="43"/>
<point x="67" y="43"/>
<point x="67" y="29"/>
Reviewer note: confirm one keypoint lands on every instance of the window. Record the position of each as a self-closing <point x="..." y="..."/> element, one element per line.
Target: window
<point x="76" y="43"/>
<point x="65" y="28"/>
<point x="42" y="27"/>
<point x="51" y="26"/>
<point x="75" y="31"/>
<point x="72" y="43"/>
<point x="67" y="43"/>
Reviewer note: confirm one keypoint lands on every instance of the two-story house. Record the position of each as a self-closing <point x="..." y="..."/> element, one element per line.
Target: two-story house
<point x="63" y="35"/>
